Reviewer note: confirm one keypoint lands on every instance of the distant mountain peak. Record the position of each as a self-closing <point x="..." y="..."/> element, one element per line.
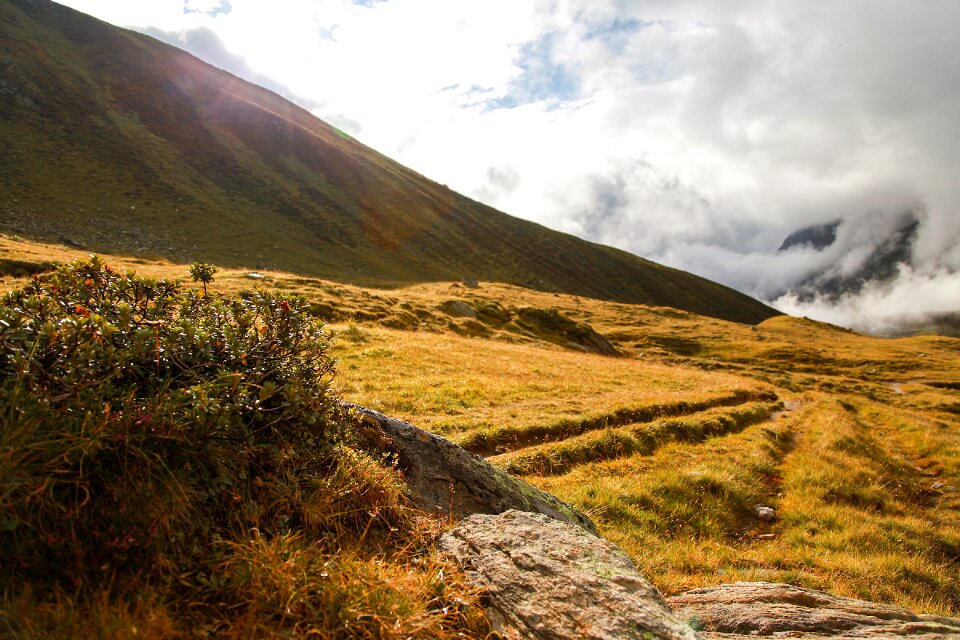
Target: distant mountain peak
<point x="886" y="245"/>
<point x="818" y="237"/>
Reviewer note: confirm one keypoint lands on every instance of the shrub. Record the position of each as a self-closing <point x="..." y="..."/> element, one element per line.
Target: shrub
<point x="130" y="405"/>
<point x="203" y="273"/>
<point x="147" y="430"/>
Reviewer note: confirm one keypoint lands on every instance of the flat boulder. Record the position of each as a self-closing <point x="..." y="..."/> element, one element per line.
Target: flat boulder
<point x="767" y="610"/>
<point x="546" y="579"/>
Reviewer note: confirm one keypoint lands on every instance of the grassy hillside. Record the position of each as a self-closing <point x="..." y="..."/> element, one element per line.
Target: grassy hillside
<point x="853" y="441"/>
<point x="116" y="142"/>
<point x="124" y="514"/>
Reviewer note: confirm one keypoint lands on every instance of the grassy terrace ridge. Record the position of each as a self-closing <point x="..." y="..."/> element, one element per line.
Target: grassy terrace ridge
<point x="698" y="425"/>
<point x="516" y="437"/>
<point x="122" y="144"/>
<point x="854" y="441"/>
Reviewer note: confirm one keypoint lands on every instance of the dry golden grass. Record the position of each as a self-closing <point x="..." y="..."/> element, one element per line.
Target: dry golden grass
<point x="853" y="484"/>
<point x="462" y="387"/>
<point x="862" y="465"/>
<point x="281" y="587"/>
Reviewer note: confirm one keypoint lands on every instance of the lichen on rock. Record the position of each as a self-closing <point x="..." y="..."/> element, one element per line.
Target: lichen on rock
<point x="767" y="610"/>
<point x="547" y="579"/>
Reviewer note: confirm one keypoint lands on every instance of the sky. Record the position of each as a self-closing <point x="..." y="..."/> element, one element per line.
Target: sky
<point x="698" y="133"/>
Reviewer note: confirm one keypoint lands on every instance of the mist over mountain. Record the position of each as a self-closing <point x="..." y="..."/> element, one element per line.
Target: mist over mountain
<point x="818" y="236"/>
<point x="856" y="263"/>
<point x="869" y="273"/>
<point x="113" y="140"/>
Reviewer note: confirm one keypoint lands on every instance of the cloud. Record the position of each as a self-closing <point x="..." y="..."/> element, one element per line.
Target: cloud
<point x="543" y="78"/>
<point x="500" y="180"/>
<point x="915" y="295"/>
<point x="208" y="7"/>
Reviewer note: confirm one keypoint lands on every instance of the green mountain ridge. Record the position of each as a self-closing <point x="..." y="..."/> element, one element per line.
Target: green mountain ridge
<point x="117" y="142"/>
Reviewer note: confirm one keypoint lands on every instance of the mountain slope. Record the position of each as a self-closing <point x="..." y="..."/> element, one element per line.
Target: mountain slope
<point x="114" y="141"/>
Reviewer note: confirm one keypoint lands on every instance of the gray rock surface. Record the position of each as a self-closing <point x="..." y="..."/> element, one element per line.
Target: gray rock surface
<point x="444" y="478"/>
<point x="765" y="513"/>
<point x="547" y="579"/>
<point x="457" y="309"/>
<point x="767" y="610"/>
<point x="594" y="342"/>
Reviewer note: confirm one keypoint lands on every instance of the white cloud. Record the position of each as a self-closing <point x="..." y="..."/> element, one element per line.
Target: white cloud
<point x="692" y="132"/>
<point x="913" y="296"/>
<point x="204" y="6"/>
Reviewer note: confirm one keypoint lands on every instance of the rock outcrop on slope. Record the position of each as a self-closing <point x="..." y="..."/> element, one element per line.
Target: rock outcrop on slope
<point x="444" y="478"/>
<point x="549" y="579"/>
<point x="765" y="610"/>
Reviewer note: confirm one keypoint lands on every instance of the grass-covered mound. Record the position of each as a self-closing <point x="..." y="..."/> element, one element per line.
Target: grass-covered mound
<point x="175" y="465"/>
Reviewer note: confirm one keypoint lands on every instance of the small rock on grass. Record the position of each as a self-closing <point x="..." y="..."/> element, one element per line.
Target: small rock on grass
<point x="765" y="513"/>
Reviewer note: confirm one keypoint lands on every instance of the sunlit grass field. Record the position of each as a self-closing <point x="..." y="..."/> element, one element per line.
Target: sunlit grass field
<point x="854" y="442"/>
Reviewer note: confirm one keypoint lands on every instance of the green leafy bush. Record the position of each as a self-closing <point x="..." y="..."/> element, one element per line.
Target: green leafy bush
<point x="203" y="273"/>
<point x="130" y="405"/>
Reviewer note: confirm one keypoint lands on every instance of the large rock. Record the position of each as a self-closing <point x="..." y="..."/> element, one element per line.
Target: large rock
<point x="592" y="341"/>
<point x="457" y="309"/>
<point x="766" y="610"/>
<point x="550" y="324"/>
<point x="547" y="579"/>
<point x="444" y="478"/>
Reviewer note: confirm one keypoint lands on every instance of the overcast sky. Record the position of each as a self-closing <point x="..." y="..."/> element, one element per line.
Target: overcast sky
<point x="694" y="133"/>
